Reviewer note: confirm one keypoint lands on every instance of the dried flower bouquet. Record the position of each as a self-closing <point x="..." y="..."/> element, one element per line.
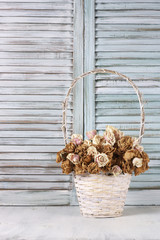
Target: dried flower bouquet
<point x="112" y="154"/>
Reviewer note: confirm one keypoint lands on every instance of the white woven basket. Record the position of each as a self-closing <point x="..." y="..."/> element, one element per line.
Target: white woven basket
<point x="101" y="195"/>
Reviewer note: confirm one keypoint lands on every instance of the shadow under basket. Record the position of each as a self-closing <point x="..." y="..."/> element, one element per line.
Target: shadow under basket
<point x="100" y="195"/>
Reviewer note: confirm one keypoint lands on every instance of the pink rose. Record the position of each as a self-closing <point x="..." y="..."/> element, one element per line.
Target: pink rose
<point x="77" y="139"/>
<point x="74" y="158"/>
<point x="91" y="134"/>
<point x="116" y="170"/>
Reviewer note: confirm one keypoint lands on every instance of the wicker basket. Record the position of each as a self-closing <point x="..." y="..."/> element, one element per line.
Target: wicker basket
<point x="101" y="195"/>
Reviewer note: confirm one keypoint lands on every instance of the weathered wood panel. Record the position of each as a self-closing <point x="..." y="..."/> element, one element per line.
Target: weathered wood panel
<point x="36" y="67"/>
<point x="127" y="40"/>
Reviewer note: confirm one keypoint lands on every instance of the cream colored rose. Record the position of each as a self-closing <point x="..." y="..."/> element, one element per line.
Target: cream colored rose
<point x="97" y="139"/>
<point x="137" y="162"/>
<point x="116" y="170"/>
<point x="77" y="139"/>
<point x="136" y="145"/>
<point x="109" y="137"/>
<point x="92" y="151"/>
<point x="101" y="159"/>
<point x="74" y="158"/>
<point x="87" y="142"/>
<point x="117" y="133"/>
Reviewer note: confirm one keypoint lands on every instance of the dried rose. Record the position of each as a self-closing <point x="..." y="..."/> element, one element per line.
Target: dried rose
<point x="109" y="137"/>
<point x="101" y="159"/>
<point x="136" y="145"/>
<point x="137" y="162"/>
<point x="91" y="134"/>
<point x="116" y="170"/>
<point x="77" y="139"/>
<point x="97" y="139"/>
<point x="117" y="133"/>
<point x="74" y="158"/>
<point x="87" y="142"/>
<point x="92" y="151"/>
<point x="125" y="143"/>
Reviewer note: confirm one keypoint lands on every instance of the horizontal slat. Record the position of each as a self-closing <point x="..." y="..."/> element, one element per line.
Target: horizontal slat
<point x="121" y="48"/>
<point x="36" y="48"/>
<point x="45" y="134"/>
<point x="25" y="149"/>
<point x="132" y="69"/>
<point x="131" y="119"/>
<point x="128" y="54"/>
<point x="36" y="55"/>
<point x="115" y="1"/>
<point x="38" y="6"/>
<point x="33" y="13"/>
<point x="121" y="83"/>
<point x="23" y="69"/>
<point x="28" y="156"/>
<point x="110" y="90"/>
<point x="127" y="6"/>
<point x="35" y="112"/>
<point x="30" y="170"/>
<point x="35" y="186"/>
<point x="127" y="62"/>
<point x="34" y="105"/>
<point x="32" y="197"/>
<point x="126" y="105"/>
<point x="36" y="27"/>
<point x="129" y="20"/>
<point x="143" y="197"/>
<point x="35" y="178"/>
<point x="32" y="98"/>
<point x="42" y="1"/>
<point x="129" y="27"/>
<point x="36" y="62"/>
<point x="145" y="185"/>
<point x="32" y="127"/>
<point x="32" y="141"/>
<point x="28" y="34"/>
<point x="146" y="177"/>
<point x="37" y="19"/>
<point x="123" y="112"/>
<point x="36" y="41"/>
<point x="126" y="98"/>
<point x="27" y="163"/>
<point x="34" y="120"/>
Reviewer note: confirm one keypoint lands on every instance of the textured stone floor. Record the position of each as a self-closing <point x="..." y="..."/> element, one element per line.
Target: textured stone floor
<point x="66" y="223"/>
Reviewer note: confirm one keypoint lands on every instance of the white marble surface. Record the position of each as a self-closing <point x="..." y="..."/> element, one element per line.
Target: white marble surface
<point x="66" y="223"/>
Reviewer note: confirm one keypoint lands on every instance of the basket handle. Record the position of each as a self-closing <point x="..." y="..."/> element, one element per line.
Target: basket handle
<point x="65" y="103"/>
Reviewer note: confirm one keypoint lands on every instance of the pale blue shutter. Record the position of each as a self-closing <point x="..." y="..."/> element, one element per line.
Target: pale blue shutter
<point x="36" y="49"/>
<point x="127" y="40"/>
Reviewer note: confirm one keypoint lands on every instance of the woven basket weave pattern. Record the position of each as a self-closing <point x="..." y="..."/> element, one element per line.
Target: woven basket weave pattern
<point x="101" y="195"/>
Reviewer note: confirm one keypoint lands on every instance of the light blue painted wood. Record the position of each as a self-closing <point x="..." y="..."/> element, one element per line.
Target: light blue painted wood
<point x="89" y="64"/>
<point x="78" y="66"/>
<point x="78" y="55"/>
<point x="36" y="70"/>
<point x="127" y="41"/>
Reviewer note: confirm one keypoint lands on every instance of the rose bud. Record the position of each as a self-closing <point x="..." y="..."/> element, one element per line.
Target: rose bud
<point x="74" y="158"/>
<point x="137" y="162"/>
<point x="116" y="170"/>
<point x="77" y="139"/>
<point x="91" y="134"/>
